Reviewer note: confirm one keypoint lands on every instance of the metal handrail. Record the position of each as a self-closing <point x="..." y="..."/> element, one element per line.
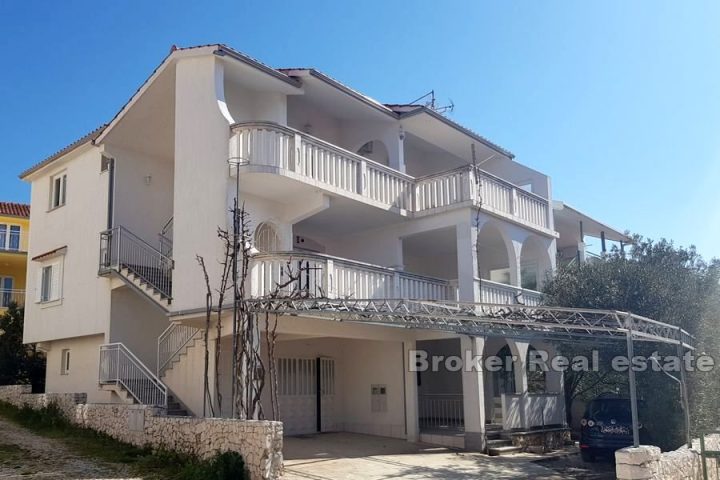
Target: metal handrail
<point x="119" y="366"/>
<point x="171" y="342"/>
<point x="8" y="296"/>
<point x="439" y="411"/>
<point x="122" y="249"/>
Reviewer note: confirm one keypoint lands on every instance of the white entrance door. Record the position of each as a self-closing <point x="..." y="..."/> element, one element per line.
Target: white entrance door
<point x="302" y="397"/>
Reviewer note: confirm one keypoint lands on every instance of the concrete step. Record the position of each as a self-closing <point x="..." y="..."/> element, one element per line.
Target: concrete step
<point x="498" y="443"/>
<point x="497" y="451"/>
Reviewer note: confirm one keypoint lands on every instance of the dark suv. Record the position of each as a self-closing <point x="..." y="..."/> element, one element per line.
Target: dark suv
<point x="606" y="427"/>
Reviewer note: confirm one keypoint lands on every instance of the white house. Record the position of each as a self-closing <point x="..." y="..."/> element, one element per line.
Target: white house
<point x="381" y="200"/>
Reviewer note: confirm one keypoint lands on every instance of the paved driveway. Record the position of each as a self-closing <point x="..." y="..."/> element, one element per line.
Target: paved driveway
<point x="347" y="456"/>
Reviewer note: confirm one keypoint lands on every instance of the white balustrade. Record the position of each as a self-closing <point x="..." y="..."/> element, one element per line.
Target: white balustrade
<point x="326" y="276"/>
<point x="273" y="145"/>
<point x="501" y="293"/>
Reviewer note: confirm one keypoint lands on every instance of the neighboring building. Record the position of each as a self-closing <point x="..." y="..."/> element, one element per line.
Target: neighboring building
<point x="380" y="200"/>
<point x="14" y="228"/>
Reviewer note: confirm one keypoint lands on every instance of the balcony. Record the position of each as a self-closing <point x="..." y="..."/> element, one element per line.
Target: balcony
<point x="495" y="292"/>
<point x="13" y="241"/>
<point x="8" y="296"/>
<point x="272" y="148"/>
<point x="333" y="277"/>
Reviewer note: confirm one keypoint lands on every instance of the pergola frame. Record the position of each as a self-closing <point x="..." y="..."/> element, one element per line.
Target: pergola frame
<point x="495" y="320"/>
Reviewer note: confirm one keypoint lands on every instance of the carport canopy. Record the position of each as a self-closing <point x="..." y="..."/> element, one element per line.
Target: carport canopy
<point x="482" y="319"/>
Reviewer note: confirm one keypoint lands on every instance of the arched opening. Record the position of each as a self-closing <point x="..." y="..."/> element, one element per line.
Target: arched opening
<point x="266" y="238"/>
<point x="494" y="260"/>
<point x="536" y="376"/>
<point x="376" y="151"/>
<point x="504" y="378"/>
<point x="534" y="264"/>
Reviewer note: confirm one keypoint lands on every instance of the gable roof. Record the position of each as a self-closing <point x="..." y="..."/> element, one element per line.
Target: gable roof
<point x="288" y="75"/>
<point x="15" y="209"/>
<point x="88" y="137"/>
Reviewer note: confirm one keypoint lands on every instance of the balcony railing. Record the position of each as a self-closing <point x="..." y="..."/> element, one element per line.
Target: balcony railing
<point x="326" y="276"/>
<point x="318" y="162"/>
<point x="12" y="296"/>
<point x="439" y="411"/>
<point x="13" y="241"/>
<point x="495" y="292"/>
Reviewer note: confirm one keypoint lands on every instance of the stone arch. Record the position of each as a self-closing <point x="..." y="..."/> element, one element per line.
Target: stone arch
<point x="375" y="150"/>
<point x="535" y="263"/>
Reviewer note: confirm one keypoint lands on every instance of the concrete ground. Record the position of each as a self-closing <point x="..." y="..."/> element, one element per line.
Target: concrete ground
<point x="348" y="456"/>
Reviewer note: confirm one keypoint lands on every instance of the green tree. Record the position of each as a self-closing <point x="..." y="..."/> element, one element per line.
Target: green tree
<point x="657" y="280"/>
<point x="19" y="363"/>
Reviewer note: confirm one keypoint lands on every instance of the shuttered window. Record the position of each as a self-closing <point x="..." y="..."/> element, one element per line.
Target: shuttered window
<point x="49" y="286"/>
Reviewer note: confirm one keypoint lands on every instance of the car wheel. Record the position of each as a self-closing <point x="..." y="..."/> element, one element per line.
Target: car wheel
<point x="587" y="455"/>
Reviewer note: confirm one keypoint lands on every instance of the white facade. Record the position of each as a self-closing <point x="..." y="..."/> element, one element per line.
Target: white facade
<point x="381" y="201"/>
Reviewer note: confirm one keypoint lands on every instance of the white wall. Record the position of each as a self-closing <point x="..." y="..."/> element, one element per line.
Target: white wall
<point x="247" y="105"/>
<point x="137" y="324"/>
<point x="84" y="308"/>
<point x="141" y="207"/>
<point x="82" y="376"/>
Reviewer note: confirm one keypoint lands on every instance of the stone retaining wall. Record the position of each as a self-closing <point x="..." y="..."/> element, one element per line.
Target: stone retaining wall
<point x="648" y="463"/>
<point x="258" y="441"/>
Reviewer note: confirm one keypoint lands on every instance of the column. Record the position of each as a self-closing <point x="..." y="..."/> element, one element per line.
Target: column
<point x="467" y="265"/>
<point x="473" y="394"/>
<point x="519" y="350"/>
<point x="412" y="429"/>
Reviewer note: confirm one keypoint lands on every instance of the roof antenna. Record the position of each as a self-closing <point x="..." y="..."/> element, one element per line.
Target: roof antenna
<point x="430" y="102"/>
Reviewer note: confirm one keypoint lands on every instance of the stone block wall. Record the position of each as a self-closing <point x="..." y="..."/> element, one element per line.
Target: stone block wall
<point x="259" y="442"/>
<point x="648" y="463"/>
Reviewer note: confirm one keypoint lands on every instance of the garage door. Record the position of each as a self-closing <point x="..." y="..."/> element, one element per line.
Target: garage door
<point x="306" y="393"/>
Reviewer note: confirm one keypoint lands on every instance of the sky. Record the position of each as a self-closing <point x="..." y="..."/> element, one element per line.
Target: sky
<point x="617" y="101"/>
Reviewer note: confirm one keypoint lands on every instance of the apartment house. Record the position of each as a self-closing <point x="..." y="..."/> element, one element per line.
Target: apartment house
<point x="377" y="201"/>
<point x="14" y="227"/>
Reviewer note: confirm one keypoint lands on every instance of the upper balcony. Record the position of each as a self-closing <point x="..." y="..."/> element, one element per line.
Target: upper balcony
<point x="326" y="276"/>
<point x="271" y="148"/>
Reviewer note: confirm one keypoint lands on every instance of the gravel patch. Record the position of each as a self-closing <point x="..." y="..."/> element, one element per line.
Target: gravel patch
<point x="26" y="455"/>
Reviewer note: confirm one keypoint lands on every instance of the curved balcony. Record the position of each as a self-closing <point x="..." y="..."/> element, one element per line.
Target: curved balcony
<point x="269" y="147"/>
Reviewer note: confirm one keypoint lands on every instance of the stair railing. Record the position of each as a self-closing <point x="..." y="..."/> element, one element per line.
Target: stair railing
<point x="120" y="248"/>
<point x="171" y="342"/>
<point x="119" y="366"/>
<point x="165" y="238"/>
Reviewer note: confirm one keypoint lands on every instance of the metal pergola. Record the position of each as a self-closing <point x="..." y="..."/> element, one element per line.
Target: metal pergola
<point x="496" y="320"/>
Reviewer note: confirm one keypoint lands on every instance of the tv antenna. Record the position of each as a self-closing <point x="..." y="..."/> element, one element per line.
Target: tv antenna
<point x="430" y="102"/>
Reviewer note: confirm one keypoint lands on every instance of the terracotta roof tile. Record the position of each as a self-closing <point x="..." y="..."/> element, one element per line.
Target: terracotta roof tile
<point x="15" y="209"/>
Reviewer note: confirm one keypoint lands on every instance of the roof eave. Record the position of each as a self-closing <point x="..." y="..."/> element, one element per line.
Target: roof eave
<point x="466" y="131"/>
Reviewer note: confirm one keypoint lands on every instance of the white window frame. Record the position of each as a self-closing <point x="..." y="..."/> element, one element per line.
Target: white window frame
<point x="54" y="295"/>
<point x="59" y="192"/>
<point x="65" y="361"/>
<point x="6" y="245"/>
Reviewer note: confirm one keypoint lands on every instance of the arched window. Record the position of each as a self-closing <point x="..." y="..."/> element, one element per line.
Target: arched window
<point x="266" y="238"/>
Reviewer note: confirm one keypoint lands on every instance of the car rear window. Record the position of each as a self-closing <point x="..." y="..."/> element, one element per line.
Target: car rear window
<point x="617" y="409"/>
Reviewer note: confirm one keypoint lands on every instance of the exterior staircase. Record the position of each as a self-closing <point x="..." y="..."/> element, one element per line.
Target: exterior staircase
<point x="124" y="374"/>
<point x="498" y="442"/>
<point x="140" y="265"/>
<point x="173" y="344"/>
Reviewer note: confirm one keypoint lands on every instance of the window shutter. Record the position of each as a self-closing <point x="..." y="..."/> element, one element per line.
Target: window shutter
<point x="55" y="288"/>
<point x="38" y="284"/>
